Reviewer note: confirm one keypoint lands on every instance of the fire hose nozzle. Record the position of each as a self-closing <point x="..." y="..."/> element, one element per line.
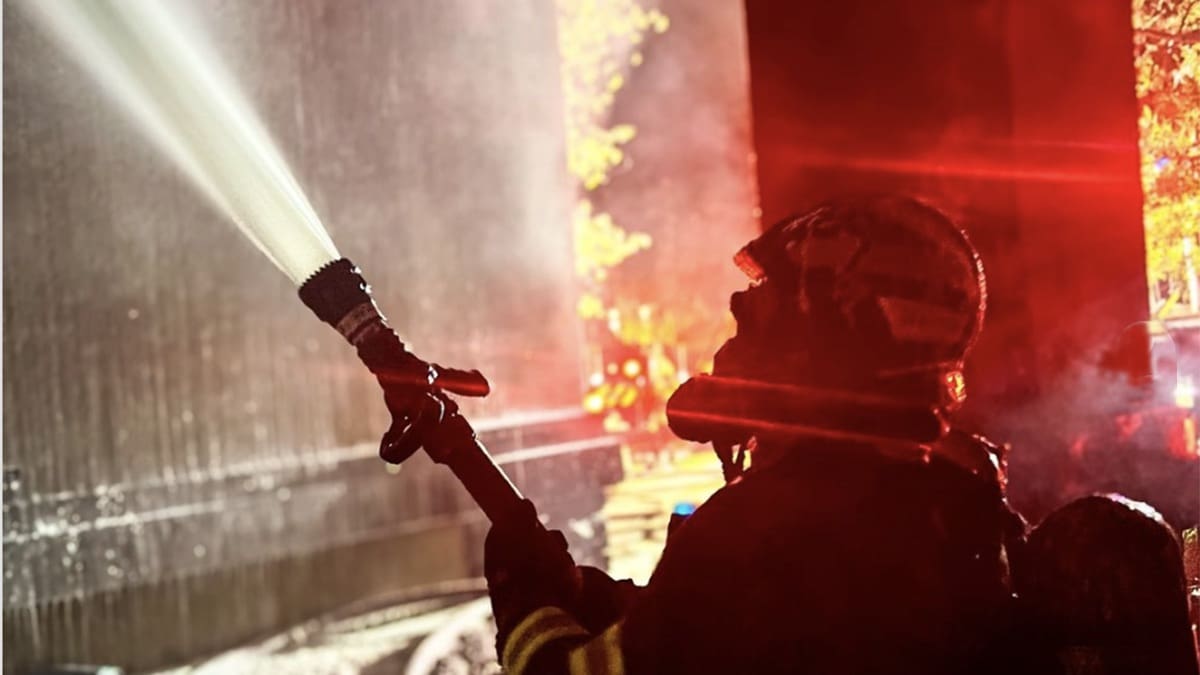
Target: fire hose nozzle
<point x="340" y="296"/>
<point x="414" y="390"/>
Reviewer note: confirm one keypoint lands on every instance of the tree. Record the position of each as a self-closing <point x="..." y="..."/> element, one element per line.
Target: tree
<point x="1167" y="59"/>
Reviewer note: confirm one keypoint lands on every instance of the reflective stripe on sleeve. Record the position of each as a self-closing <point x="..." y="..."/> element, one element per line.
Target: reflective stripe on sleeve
<point x="601" y="655"/>
<point x="534" y="632"/>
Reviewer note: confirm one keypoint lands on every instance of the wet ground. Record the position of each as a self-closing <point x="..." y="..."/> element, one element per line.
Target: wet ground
<point x="446" y="629"/>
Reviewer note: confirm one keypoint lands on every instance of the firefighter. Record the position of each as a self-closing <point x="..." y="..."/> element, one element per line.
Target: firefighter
<point x="1105" y="591"/>
<point x="865" y="536"/>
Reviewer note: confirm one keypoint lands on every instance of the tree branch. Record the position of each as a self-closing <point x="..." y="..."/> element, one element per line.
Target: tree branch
<point x="1186" y="14"/>
<point x="1186" y="37"/>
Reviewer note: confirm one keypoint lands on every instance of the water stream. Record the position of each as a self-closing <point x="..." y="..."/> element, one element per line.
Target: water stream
<point x="159" y="69"/>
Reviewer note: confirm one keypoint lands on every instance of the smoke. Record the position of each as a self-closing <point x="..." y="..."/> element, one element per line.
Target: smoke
<point x="1108" y="423"/>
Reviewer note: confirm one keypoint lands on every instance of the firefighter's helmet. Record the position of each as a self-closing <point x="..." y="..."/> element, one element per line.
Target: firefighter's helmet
<point x="884" y="289"/>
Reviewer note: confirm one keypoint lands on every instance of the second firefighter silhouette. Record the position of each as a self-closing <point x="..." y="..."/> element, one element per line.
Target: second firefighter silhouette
<point x="865" y="537"/>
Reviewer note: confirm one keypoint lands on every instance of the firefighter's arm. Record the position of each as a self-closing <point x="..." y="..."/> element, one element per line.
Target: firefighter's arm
<point x="561" y="636"/>
<point x="538" y="593"/>
<point x="549" y="613"/>
<point x="553" y="641"/>
<point x="550" y="642"/>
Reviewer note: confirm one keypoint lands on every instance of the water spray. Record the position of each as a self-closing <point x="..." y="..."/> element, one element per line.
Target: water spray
<point x="159" y="73"/>
<point x="173" y="87"/>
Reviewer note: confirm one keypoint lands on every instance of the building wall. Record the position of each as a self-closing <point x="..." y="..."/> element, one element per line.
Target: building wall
<point x="187" y="451"/>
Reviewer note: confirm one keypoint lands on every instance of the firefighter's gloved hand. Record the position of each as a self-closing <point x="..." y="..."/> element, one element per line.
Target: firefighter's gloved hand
<point x="527" y="568"/>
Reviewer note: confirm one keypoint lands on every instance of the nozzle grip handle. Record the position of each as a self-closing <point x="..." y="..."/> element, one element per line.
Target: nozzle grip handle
<point x="461" y="382"/>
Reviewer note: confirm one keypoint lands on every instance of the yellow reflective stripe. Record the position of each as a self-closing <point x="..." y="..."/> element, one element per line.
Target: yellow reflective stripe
<point x="523" y="657"/>
<point x="600" y="656"/>
<point x="578" y="659"/>
<point x="534" y="632"/>
<point x="528" y="624"/>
